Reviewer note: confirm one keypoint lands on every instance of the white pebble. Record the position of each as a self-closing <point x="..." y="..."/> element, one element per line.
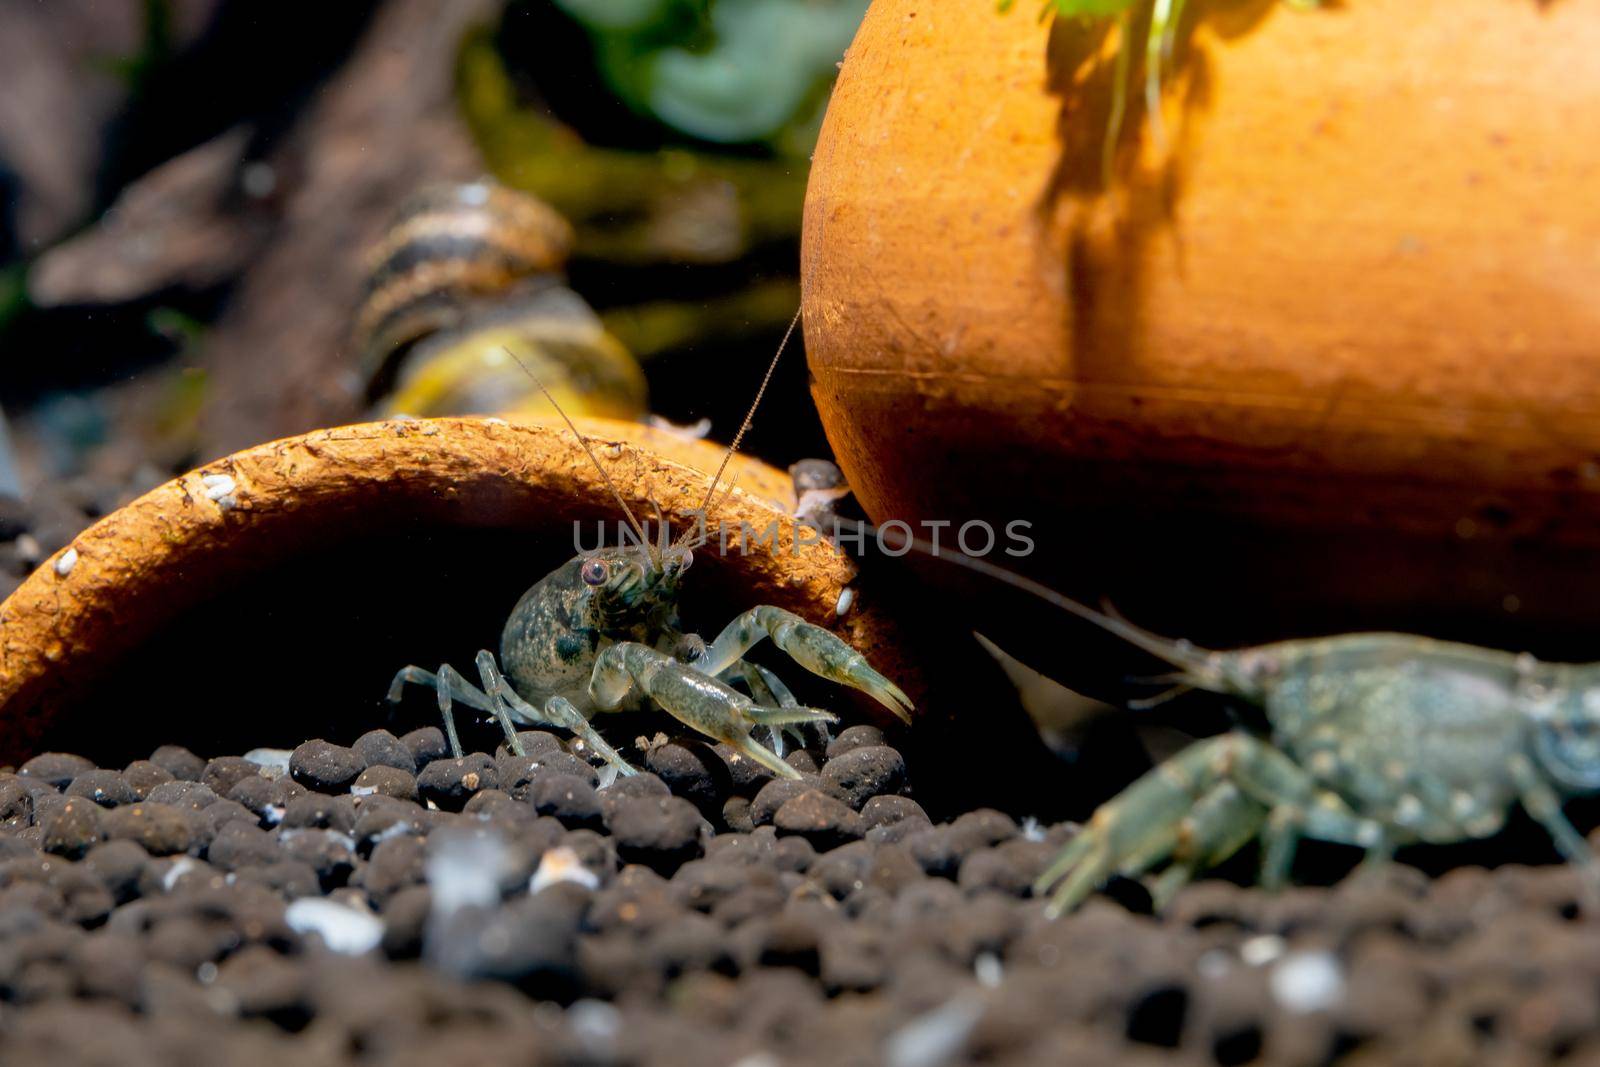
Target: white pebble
<point x="342" y="928"/>
<point x="594" y="1020"/>
<point x="988" y="969"/>
<point x="1032" y="829"/>
<point x="180" y="867"/>
<point x="1308" y="981"/>
<point x="561" y="864"/>
<point x="464" y="871"/>
<point x="847" y="596"/>
<point x="273" y="814"/>
<point x="274" y="762"/>
<point x="66" y="561"/>
<point x="397" y="829"/>
<point x="28" y="549"/>
<point x="936" y="1037"/>
<point x="1261" y="950"/>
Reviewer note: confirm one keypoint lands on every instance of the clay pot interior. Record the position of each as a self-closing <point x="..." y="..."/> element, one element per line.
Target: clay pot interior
<point x="306" y="647"/>
<point x="354" y="552"/>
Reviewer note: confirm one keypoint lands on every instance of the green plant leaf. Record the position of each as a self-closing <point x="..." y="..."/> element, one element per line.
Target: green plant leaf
<point x="1091" y="8"/>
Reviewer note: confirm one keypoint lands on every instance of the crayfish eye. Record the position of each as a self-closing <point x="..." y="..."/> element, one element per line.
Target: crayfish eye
<point x="1570" y="752"/>
<point x="595" y="572"/>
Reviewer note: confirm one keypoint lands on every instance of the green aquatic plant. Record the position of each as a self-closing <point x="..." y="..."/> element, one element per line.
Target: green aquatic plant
<point x="725" y="71"/>
<point x="1163" y="18"/>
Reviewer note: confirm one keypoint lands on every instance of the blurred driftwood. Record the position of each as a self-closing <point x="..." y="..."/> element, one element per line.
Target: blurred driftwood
<point x="279" y="359"/>
<point x="61" y="89"/>
<point x="187" y="224"/>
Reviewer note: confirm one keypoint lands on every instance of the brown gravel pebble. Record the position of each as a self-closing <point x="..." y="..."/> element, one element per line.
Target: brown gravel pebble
<point x="143" y="775"/>
<point x="179" y="762"/>
<point x="864" y="772"/>
<point x="450" y="783"/>
<point x="106" y="788"/>
<point x="385" y="779"/>
<point x="284" y="923"/>
<point x="55" y="768"/>
<point x="426" y="745"/>
<point x="221" y="774"/>
<point x="160" y="829"/>
<point x="324" y="767"/>
<point x="823" y="820"/>
<point x="380" y="748"/>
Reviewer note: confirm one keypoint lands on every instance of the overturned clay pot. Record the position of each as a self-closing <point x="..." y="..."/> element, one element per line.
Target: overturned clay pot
<point x="278" y="563"/>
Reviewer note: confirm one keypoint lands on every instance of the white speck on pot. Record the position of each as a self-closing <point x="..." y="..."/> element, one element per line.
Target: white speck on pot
<point x="1305" y="982"/>
<point x="1259" y="951"/>
<point x="342" y="928"/>
<point x="561" y="864"/>
<point x="66" y="561"/>
<point x="495" y="420"/>
<point x="220" y="489"/>
<point x="847" y="596"/>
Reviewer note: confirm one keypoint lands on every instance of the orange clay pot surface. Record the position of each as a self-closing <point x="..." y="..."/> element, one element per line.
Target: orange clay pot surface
<point x="192" y="540"/>
<point x="1331" y="341"/>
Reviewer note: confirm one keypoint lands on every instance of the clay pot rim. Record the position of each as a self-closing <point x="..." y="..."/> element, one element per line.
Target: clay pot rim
<point x="139" y="567"/>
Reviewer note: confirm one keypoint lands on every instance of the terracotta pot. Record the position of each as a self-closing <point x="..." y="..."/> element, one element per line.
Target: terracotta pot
<point x="1330" y="346"/>
<point x="71" y="634"/>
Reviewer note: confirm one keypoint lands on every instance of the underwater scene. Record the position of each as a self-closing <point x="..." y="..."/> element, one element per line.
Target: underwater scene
<point x="799" y="533"/>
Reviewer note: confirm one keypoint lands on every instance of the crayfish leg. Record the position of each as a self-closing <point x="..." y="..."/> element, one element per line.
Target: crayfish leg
<point x="1196" y="810"/>
<point x="818" y="650"/>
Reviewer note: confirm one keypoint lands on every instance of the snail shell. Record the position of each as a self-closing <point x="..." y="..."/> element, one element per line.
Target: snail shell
<point x="466" y="277"/>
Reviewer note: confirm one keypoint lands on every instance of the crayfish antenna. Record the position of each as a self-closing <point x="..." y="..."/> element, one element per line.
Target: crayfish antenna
<point x="1193" y="662"/>
<point x="1146" y="703"/>
<point x="633" y="523"/>
<point x="749" y="416"/>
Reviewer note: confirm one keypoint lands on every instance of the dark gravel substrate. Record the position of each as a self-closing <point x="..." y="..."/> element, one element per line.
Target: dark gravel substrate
<point x="380" y="903"/>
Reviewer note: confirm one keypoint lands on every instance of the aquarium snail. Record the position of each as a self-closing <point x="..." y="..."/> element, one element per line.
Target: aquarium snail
<point x="466" y="277"/>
